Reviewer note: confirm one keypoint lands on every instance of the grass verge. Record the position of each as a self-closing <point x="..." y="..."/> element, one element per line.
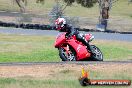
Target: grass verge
<point x="13" y="83"/>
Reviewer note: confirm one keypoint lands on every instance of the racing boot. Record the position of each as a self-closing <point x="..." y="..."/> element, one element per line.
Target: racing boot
<point x="88" y="46"/>
<point x="89" y="49"/>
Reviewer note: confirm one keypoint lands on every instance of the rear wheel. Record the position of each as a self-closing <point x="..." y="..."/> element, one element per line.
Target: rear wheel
<point x="70" y="56"/>
<point x="97" y="54"/>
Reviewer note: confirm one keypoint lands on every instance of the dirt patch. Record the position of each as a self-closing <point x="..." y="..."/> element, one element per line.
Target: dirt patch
<point x="8" y="19"/>
<point x="23" y="19"/>
<point x="53" y="70"/>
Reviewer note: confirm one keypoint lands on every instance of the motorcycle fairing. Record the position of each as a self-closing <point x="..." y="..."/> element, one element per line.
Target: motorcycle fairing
<point x="60" y="39"/>
<point x="81" y="50"/>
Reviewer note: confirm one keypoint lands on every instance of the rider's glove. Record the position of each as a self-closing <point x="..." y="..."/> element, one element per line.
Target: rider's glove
<point x="68" y="36"/>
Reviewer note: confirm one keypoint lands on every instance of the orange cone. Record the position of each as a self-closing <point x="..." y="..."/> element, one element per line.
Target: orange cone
<point x="84" y="73"/>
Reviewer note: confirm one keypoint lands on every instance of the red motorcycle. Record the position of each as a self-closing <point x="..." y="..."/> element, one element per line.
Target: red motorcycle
<point x="72" y="50"/>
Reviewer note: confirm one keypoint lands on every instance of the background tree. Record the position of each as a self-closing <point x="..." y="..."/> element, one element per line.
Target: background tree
<point x="104" y="6"/>
<point x="22" y="4"/>
<point x="84" y="3"/>
<point x="40" y="1"/>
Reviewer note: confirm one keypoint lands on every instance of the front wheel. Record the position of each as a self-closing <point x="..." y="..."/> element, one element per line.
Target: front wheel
<point x="97" y="54"/>
<point x="67" y="55"/>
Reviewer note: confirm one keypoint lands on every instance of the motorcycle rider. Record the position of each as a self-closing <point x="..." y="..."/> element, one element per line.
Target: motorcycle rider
<point x="62" y="26"/>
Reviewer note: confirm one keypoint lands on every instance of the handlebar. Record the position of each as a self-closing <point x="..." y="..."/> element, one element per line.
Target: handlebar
<point x="69" y="36"/>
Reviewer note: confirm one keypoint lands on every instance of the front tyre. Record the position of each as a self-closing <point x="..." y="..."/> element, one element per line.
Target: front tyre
<point x="67" y="56"/>
<point x="97" y="54"/>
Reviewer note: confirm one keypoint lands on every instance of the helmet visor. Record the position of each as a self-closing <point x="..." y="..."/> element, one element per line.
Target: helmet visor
<point x="58" y="26"/>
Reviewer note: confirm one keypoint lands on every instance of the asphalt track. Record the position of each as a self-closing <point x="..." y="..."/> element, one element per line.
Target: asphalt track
<point x="60" y="63"/>
<point x="97" y="35"/>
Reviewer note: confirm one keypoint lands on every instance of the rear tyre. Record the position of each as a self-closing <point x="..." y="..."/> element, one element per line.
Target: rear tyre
<point x="97" y="54"/>
<point x="67" y="57"/>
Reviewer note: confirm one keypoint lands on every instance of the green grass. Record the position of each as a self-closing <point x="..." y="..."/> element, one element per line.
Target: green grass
<point x="6" y="83"/>
<point x="23" y="48"/>
<point x="13" y="83"/>
<point x="16" y="48"/>
<point x="115" y="52"/>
